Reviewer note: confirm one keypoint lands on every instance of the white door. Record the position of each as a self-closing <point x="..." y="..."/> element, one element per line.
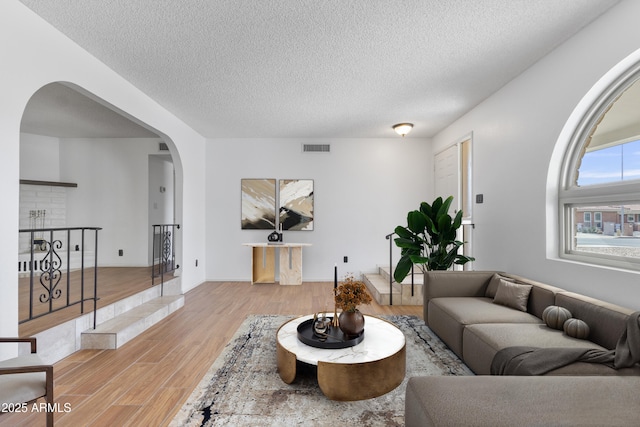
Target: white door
<point x="446" y="173"/>
<point x="452" y="177"/>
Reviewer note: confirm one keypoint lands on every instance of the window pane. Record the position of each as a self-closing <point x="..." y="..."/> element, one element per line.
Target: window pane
<point x="612" y="164"/>
<point x="610" y="234"/>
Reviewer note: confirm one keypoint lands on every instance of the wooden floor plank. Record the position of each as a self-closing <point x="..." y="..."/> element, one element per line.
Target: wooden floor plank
<point x="117" y="415"/>
<point x="117" y="385"/>
<point x="169" y="398"/>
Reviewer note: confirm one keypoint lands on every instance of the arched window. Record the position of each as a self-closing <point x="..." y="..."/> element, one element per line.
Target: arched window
<point x="599" y="194"/>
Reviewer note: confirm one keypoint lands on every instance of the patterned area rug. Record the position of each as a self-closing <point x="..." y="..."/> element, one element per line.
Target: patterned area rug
<point x="243" y="388"/>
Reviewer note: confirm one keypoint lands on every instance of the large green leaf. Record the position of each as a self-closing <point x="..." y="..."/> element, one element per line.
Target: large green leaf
<point x="458" y="220"/>
<point x="444" y="223"/>
<point x="430" y="227"/>
<point x="436" y="205"/>
<point x="402" y="269"/>
<point x="426" y="209"/>
<point x="401" y="242"/>
<point x="444" y="208"/>
<point x="463" y="259"/>
<point x="416" y="221"/>
<point x="417" y="259"/>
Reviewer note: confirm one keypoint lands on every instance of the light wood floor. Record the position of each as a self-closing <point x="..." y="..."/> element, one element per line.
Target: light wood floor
<point x="146" y="381"/>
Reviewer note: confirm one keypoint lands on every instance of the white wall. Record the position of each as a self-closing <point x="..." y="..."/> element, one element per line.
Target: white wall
<point x="363" y="190"/>
<point x="39" y="157"/>
<point x="515" y="133"/>
<point x="112" y="193"/>
<point x="160" y="200"/>
<point x="38" y="55"/>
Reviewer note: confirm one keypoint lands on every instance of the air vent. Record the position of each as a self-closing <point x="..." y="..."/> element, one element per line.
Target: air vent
<point x="162" y="146"/>
<point x="316" y="148"/>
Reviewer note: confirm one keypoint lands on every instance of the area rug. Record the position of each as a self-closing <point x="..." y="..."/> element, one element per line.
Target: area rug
<point x="243" y="388"/>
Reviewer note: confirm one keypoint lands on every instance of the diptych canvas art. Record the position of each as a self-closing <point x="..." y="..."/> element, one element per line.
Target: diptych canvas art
<point x="258" y="204"/>
<point x="296" y="204"/>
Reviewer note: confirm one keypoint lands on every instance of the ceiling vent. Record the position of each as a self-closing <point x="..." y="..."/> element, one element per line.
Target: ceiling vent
<point x="162" y="146"/>
<point x="316" y="148"/>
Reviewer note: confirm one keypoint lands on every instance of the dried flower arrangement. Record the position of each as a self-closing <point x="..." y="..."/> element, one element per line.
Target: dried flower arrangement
<point x="351" y="293"/>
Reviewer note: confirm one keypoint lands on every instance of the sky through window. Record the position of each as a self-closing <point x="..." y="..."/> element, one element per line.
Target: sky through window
<point x="612" y="164"/>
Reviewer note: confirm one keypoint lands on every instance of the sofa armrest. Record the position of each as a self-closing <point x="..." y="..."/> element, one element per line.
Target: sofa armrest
<point x="454" y="284"/>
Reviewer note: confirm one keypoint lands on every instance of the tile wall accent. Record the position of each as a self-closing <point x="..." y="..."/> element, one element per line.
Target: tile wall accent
<point x="36" y="200"/>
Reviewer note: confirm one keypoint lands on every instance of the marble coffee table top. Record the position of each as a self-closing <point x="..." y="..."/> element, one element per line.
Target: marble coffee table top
<point x="381" y="340"/>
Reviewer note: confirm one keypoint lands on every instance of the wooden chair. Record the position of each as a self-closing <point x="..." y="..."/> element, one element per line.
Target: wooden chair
<point x="25" y="379"/>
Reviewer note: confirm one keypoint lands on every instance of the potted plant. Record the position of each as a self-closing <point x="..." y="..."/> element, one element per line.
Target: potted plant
<point x="429" y="239"/>
<point x="348" y="296"/>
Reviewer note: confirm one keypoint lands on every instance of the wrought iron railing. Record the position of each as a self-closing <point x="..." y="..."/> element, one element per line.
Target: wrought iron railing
<point x="50" y="259"/>
<point x="391" y="281"/>
<point x="389" y="238"/>
<point x="164" y="255"/>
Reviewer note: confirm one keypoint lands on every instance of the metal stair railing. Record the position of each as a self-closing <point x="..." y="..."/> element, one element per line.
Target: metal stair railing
<point x="388" y="237"/>
<point x="391" y="280"/>
<point x="163" y="252"/>
<point x="50" y="259"/>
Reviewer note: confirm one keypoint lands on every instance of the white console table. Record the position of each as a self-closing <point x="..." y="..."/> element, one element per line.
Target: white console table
<point x="263" y="262"/>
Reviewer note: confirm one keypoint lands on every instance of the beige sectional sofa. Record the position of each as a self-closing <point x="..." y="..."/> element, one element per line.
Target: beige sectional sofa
<point x="474" y="314"/>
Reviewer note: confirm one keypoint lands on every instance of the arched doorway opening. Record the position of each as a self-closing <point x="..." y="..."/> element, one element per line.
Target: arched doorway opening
<point x="85" y="163"/>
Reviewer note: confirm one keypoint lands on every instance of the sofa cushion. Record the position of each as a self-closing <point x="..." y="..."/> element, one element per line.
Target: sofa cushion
<point x="449" y="316"/>
<point x="519" y="401"/>
<point x="542" y="295"/>
<point x="512" y="295"/>
<point x="481" y="342"/>
<point x="492" y="287"/>
<point x="438" y="284"/>
<point x="606" y="321"/>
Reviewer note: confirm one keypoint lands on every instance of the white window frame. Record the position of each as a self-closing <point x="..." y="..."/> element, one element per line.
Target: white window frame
<point x="570" y="195"/>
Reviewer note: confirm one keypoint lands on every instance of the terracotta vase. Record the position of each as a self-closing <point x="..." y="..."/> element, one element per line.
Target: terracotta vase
<point x="351" y="323"/>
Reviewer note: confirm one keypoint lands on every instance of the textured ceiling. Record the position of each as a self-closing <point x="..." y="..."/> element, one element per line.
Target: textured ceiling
<point x="313" y="68"/>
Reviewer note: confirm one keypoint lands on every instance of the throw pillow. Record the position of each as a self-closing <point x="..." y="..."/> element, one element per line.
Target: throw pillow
<point x="512" y="295"/>
<point x="555" y="316"/>
<point x="492" y="287"/>
<point x="576" y="328"/>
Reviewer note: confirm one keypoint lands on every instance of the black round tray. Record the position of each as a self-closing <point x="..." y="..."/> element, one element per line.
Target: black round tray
<point x="335" y="339"/>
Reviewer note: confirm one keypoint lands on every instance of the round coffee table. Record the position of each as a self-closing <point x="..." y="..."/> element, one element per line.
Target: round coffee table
<point x="372" y="368"/>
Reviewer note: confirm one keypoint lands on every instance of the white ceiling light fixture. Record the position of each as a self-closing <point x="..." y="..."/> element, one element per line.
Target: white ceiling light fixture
<point x="403" y="128"/>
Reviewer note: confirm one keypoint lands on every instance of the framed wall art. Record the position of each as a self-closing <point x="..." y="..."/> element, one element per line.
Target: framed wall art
<point x="258" y="204"/>
<point x="296" y="204"/>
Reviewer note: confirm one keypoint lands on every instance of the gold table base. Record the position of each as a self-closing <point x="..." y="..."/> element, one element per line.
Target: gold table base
<point x="349" y="381"/>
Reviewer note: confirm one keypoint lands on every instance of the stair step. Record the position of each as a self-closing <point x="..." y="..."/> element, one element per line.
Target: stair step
<point x="378" y="286"/>
<point x="418" y="276"/>
<point x="117" y="331"/>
